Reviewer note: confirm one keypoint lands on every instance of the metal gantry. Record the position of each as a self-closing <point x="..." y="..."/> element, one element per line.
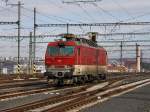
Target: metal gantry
<point x="78" y="35"/>
<point x="8" y="23"/>
<point x="93" y="24"/>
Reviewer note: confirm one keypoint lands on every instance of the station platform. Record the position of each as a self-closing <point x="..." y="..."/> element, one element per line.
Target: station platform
<point x="135" y="101"/>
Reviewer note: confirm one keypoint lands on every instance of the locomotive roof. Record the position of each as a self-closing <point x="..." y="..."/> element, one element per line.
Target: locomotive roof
<point x="84" y="41"/>
<point x="78" y="41"/>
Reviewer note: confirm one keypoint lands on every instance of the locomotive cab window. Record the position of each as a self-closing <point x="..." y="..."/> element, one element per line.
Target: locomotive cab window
<point x="60" y="51"/>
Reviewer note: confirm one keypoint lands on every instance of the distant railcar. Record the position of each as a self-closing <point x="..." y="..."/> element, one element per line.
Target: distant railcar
<point x="75" y="60"/>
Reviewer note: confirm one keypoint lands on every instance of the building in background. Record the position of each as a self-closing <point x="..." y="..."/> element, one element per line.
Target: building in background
<point x="9" y="65"/>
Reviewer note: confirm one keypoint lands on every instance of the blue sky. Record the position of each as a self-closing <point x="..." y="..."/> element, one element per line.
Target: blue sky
<point x="54" y="11"/>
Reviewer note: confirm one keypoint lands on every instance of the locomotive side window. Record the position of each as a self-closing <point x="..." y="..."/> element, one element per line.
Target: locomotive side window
<point x="60" y="51"/>
<point x="67" y="51"/>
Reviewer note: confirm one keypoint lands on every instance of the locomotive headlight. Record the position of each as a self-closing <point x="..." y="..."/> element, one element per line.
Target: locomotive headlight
<point x="66" y="66"/>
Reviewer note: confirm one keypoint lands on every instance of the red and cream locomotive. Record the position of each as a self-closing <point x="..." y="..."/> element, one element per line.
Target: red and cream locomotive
<point x="75" y="60"/>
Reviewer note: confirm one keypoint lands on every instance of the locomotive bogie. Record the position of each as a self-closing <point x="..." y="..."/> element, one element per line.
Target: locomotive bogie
<point x="78" y="74"/>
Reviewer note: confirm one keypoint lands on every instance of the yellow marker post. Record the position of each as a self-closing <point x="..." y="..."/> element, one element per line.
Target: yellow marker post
<point x="18" y="71"/>
<point x="34" y="70"/>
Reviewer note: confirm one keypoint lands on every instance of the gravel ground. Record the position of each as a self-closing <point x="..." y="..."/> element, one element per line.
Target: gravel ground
<point x="135" y="101"/>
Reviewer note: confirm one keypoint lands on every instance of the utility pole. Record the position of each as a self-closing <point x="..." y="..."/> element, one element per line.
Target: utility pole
<point x="1" y="67"/>
<point x="121" y="51"/>
<point x="67" y="28"/>
<point x="138" y="58"/>
<point x="34" y="40"/>
<point x="34" y="47"/>
<point x="30" y="54"/>
<point x="18" y="23"/>
<point x="142" y="60"/>
<point x="19" y="20"/>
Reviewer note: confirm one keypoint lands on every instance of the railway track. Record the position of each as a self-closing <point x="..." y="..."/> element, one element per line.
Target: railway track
<point x="22" y="89"/>
<point x="10" y="90"/>
<point x="29" y="92"/>
<point x="10" y="78"/>
<point x="93" y="96"/>
<point x="74" y="93"/>
<point x="22" y="83"/>
<point x="44" y="102"/>
<point x="24" y="93"/>
<point x="80" y="96"/>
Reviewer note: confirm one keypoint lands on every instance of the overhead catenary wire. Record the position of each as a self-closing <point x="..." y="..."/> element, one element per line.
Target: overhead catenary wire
<point x="105" y="11"/>
<point x="131" y="18"/>
<point x="90" y="17"/>
<point x="53" y="17"/>
<point x="81" y="1"/>
<point x="95" y="24"/>
<point x="86" y="12"/>
<point x="66" y="9"/>
<point x="50" y="17"/>
<point x="123" y="8"/>
<point x="77" y="35"/>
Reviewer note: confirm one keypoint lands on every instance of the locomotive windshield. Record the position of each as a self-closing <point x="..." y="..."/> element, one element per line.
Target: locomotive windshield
<point x="60" y="51"/>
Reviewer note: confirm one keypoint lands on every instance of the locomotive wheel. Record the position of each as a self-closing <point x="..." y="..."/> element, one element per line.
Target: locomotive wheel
<point x="75" y="80"/>
<point x="47" y="79"/>
<point x="90" y="78"/>
<point x="81" y="80"/>
<point x="60" y="82"/>
<point x="78" y="80"/>
<point x="86" y="78"/>
<point x="102" y="76"/>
